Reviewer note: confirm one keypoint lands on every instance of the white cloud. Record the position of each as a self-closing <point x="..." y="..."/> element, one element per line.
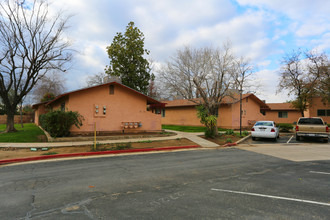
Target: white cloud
<point x="268" y="79"/>
<point x="309" y="18"/>
<point x="247" y="33"/>
<point x="264" y="63"/>
<point x="258" y="29"/>
<point x="312" y="29"/>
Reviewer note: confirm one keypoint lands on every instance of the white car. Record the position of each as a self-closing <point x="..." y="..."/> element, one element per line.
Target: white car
<point x="265" y="129"/>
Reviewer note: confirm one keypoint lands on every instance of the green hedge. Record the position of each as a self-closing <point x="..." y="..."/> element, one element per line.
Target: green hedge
<point x="285" y="127"/>
<point x="58" y="123"/>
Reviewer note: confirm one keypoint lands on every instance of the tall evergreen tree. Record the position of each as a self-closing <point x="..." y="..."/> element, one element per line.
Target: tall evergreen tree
<point x="127" y="60"/>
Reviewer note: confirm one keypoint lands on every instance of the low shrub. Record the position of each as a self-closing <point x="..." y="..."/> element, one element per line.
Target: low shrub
<point x="229" y="140"/>
<point x="209" y="133"/>
<point x="285" y="127"/>
<point x="58" y="123"/>
<point x="209" y="120"/>
<point x="229" y="132"/>
<point x="245" y="133"/>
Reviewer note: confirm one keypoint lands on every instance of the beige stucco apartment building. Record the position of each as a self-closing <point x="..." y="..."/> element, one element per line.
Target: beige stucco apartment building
<point x="112" y="107"/>
<point x="319" y="108"/>
<point x="183" y="112"/>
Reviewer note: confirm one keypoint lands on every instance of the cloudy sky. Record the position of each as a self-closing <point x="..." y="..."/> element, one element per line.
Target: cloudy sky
<point x="261" y="30"/>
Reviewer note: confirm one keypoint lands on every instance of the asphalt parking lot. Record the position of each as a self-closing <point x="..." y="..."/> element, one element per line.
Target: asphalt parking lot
<point x="226" y="183"/>
<point x="285" y="138"/>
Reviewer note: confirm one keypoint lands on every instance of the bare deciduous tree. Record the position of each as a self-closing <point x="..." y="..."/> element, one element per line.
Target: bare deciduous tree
<point x="205" y="73"/>
<point x="101" y="78"/>
<point x="51" y="83"/>
<point x="319" y="65"/>
<point x="304" y="74"/>
<point x="178" y="73"/>
<point x="31" y="44"/>
<point x="244" y="80"/>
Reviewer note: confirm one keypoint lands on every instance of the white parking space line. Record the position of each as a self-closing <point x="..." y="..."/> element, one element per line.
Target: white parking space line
<point x="319" y="172"/>
<point x="273" y="197"/>
<point x="289" y="139"/>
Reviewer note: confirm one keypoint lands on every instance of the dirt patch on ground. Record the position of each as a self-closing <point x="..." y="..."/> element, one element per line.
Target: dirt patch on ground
<point x="42" y="138"/>
<point x="11" y="153"/>
<point x="114" y="136"/>
<point x="223" y="139"/>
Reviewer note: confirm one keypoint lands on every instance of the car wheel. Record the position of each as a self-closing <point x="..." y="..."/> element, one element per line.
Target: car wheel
<point x="297" y="138"/>
<point x="326" y="140"/>
<point x="253" y="138"/>
<point x="275" y="139"/>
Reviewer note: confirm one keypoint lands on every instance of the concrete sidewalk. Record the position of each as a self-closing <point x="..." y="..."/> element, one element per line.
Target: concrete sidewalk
<point x="194" y="136"/>
<point x="191" y="136"/>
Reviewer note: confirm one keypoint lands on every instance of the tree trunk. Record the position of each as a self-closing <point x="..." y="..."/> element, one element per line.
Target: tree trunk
<point x="215" y="131"/>
<point x="21" y="113"/>
<point x="302" y="114"/>
<point x="10" y="121"/>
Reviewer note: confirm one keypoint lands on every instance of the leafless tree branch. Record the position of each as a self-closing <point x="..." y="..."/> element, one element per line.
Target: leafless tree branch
<point x="32" y="44"/>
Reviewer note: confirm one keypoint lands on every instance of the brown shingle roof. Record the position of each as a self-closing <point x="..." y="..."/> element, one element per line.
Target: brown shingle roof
<point x="281" y="106"/>
<point x="149" y="99"/>
<point x="225" y="100"/>
<point x="180" y="103"/>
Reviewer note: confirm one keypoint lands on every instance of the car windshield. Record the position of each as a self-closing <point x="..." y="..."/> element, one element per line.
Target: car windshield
<point x="264" y="123"/>
<point x="306" y="121"/>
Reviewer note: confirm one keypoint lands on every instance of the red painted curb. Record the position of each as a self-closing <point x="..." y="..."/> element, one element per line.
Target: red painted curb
<point x="94" y="153"/>
<point x="230" y="144"/>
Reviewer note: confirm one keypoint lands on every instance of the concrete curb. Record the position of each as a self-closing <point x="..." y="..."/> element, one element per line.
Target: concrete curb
<point x="236" y="143"/>
<point x="45" y="157"/>
<point x="243" y="139"/>
<point x="229" y="145"/>
<point x="49" y="138"/>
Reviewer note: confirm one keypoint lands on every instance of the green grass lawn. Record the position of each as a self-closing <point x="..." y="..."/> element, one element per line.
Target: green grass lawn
<point x="186" y="128"/>
<point x="29" y="133"/>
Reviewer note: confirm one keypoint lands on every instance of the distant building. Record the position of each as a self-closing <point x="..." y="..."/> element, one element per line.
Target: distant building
<point x="183" y="112"/>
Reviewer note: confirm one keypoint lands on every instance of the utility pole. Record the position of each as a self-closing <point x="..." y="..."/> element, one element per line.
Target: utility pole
<point x="240" y="112"/>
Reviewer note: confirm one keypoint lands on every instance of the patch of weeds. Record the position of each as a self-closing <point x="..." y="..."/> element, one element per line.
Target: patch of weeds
<point x="106" y="147"/>
<point x="178" y="139"/>
<point x="165" y="133"/>
<point x="229" y="140"/>
<point x="237" y="135"/>
<point x="123" y="146"/>
<point x="229" y="132"/>
<point x="102" y="149"/>
<point x="97" y="147"/>
<point x="245" y="133"/>
<point x="147" y="141"/>
<point x="50" y="153"/>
